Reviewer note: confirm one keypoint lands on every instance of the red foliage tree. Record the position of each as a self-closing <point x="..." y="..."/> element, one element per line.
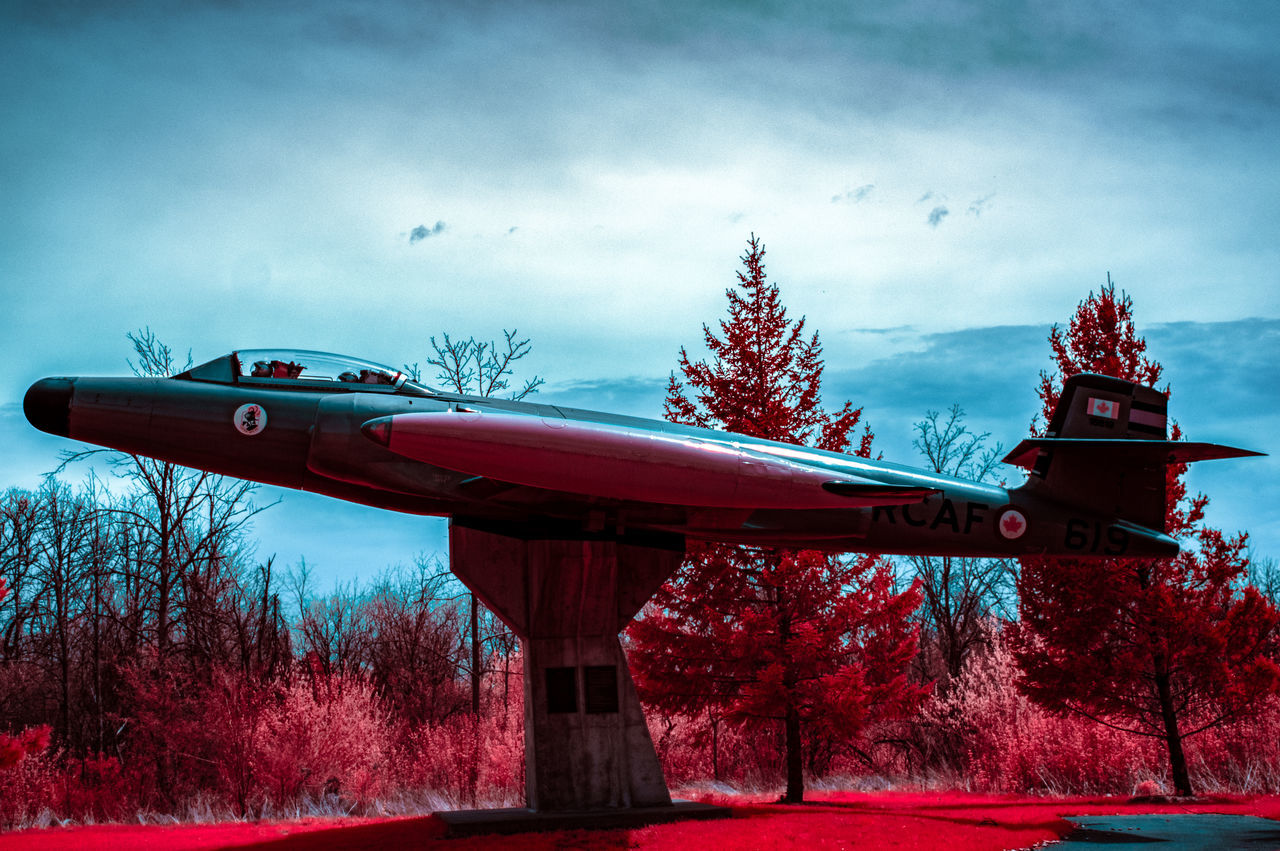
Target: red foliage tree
<point x="15" y="748"/>
<point x="817" y="643"/>
<point x="1156" y="647"/>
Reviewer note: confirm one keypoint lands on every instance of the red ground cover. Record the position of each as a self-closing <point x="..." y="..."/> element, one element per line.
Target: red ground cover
<point x="954" y="821"/>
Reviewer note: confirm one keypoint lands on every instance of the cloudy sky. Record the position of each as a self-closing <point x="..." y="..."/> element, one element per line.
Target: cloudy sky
<point x="936" y="183"/>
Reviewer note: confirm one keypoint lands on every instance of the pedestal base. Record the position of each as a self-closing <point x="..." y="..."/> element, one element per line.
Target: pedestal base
<point x="587" y="747"/>
<point x="523" y="820"/>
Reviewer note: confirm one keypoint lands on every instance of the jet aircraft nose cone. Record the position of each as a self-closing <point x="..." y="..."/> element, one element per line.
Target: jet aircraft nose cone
<point x="48" y="405"/>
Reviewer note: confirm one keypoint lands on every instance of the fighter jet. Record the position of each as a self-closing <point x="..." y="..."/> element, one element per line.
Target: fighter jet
<point x="364" y="432"/>
<point x="564" y="522"/>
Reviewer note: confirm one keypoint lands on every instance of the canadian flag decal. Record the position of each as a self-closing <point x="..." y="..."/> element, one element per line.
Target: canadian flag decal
<point x="1102" y="408"/>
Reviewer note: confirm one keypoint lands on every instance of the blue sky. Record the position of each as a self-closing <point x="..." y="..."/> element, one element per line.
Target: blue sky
<point x="936" y="183"/>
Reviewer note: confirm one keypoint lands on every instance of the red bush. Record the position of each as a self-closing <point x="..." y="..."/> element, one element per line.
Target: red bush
<point x="1007" y="743"/>
<point x="93" y="789"/>
<point x="330" y="743"/>
<point x="27" y="789"/>
<point x="14" y="749"/>
<point x="471" y="761"/>
<point x="1240" y="757"/>
<point x="696" y="749"/>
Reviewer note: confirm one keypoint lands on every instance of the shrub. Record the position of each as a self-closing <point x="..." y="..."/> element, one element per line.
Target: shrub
<point x="1004" y="742"/>
<point x="235" y="711"/>
<point x="15" y="748"/>
<point x="694" y="749"/>
<point x="469" y="761"/>
<point x="92" y="789"/>
<point x="1001" y="741"/>
<point x="28" y="789"/>
<point x="1240" y="757"/>
<point x="329" y="742"/>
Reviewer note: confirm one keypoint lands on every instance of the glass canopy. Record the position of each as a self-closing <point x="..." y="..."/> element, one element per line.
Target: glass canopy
<point x="301" y="368"/>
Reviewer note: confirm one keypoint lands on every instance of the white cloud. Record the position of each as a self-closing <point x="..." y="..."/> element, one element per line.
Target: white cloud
<point x="421" y="232"/>
<point x="241" y="176"/>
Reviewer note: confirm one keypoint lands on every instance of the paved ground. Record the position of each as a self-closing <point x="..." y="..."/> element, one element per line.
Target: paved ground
<point x="1169" y="832"/>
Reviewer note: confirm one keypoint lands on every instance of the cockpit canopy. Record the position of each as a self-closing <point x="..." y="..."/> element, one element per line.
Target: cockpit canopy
<point x="301" y="369"/>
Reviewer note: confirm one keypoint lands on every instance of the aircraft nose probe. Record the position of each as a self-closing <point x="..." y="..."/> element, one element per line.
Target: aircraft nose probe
<point x="48" y="405"/>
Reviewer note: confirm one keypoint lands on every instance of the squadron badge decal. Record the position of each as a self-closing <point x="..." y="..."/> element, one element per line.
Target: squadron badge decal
<point x="250" y="419"/>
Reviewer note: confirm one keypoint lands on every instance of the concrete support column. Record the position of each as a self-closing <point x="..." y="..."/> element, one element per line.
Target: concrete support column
<point x="587" y="745"/>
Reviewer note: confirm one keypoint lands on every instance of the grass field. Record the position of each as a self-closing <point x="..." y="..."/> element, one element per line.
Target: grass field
<point x="952" y="821"/>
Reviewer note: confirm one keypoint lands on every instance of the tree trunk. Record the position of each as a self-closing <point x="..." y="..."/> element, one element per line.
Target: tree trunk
<point x="100" y="742"/>
<point x="475" y="656"/>
<point x="791" y="719"/>
<point x="64" y="690"/>
<point x="1172" y="736"/>
<point x="715" y="747"/>
<point x="162" y="600"/>
<point x="795" y="762"/>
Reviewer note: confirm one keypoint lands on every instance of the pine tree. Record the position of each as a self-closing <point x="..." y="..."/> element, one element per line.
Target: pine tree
<point x="816" y="643"/>
<point x="1157" y="647"/>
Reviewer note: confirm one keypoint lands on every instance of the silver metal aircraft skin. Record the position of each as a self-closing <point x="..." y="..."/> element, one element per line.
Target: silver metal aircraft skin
<point x="363" y="432"/>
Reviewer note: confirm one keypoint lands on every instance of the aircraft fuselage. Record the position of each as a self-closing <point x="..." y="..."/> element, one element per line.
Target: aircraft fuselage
<point x="316" y="439"/>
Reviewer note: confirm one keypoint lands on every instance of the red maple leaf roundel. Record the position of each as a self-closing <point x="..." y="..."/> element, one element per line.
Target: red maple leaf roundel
<point x="1013" y="524"/>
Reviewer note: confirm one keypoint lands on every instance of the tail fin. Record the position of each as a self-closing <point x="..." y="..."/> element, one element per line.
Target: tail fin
<point x="1107" y="448"/>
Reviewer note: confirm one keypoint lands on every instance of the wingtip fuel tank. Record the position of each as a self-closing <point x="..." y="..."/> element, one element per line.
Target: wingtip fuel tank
<point x="626" y="463"/>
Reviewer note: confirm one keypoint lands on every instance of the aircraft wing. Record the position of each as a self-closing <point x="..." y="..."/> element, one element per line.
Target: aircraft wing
<point x="625" y="463"/>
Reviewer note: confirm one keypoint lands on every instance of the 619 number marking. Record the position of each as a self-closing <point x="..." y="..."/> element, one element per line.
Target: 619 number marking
<point x="1085" y="535"/>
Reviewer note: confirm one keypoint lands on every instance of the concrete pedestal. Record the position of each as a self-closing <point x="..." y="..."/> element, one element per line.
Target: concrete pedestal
<point x="587" y="747"/>
<point x="460" y="823"/>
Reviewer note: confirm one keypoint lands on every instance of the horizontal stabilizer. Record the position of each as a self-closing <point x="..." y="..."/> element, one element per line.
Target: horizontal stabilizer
<point x="1142" y="451"/>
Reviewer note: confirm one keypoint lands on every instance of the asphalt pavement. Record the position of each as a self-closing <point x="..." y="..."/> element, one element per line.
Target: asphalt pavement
<point x="1170" y="832"/>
